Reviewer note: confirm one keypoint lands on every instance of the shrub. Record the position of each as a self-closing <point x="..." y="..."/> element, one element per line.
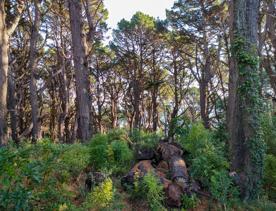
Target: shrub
<point x="75" y="158"/>
<point x="150" y="189"/>
<point x="269" y="133"/>
<point x="100" y="152"/>
<point x="110" y="154"/>
<point x="222" y="187"/>
<point x="189" y="202"/>
<point x="122" y="155"/>
<point x="204" y="155"/>
<point x="101" y="197"/>
<point x="270" y="177"/>
<point x="117" y="134"/>
<point x="142" y="139"/>
<point x="38" y="175"/>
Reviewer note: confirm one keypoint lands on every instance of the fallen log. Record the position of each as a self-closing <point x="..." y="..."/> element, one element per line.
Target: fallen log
<point x="168" y="165"/>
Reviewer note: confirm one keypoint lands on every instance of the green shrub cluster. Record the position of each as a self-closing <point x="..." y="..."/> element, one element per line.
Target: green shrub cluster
<point x="205" y="156"/>
<point x="143" y="139"/>
<point x="207" y="161"/>
<point x="39" y="175"/>
<point x="269" y="125"/>
<point x="110" y="152"/>
<point x="101" y="196"/>
<point x="150" y="189"/>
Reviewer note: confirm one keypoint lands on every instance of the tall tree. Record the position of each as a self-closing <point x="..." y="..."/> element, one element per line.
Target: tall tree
<point x="244" y="108"/>
<point x="32" y="67"/>
<point x="7" y="28"/>
<point x="81" y="71"/>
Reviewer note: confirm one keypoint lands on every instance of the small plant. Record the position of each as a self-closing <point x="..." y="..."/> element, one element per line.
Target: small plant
<point x="270" y="177"/>
<point x="222" y="188"/>
<point x="122" y="155"/>
<point x="150" y="189"/>
<point x="205" y="156"/>
<point x="101" y="197"/>
<point x="100" y="152"/>
<point x="189" y="202"/>
<point x="75" y="158"/>
<point x="145" y="139"/>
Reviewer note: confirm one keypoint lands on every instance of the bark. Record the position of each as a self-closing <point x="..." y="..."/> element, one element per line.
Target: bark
<point x="36" y="131"/>
<point x="4" y="60"/>
<point x="114" y="112"/>
<point x="63" y="122"/>
<point x="81" y="72"/>
<point x="242" y="120"/>
<point x="5" y="32"/>
<point x="12" y="108"/>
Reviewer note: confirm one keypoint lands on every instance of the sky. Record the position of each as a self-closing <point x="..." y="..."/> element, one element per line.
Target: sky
<point x="119" y="9"/>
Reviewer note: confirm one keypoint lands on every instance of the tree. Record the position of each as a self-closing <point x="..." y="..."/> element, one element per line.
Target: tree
<point x="245" y="104"/>
<point x="81" y="71"/>
<point x="7" y="27"/>
<point x="199" y="21"/>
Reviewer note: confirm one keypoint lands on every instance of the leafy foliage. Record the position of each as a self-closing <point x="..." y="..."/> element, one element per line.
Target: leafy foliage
<point x="270" y="177"/>
<point x="111" y="151"/>
<point x="205" y="155"/>
<point x="144" y="139"/>
<point x="150" y="189"/>
<point x="189" y="201"/>
<point x="101" y="197"/>
<point x="222" y="187"/>
<point x="39" y="175"/>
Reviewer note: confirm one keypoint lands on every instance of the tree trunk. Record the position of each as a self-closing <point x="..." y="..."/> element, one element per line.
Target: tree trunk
<point x="4" y="61"/>
<point x="81" y="72"/>
<point x="203" y="87"/>
<point x="36" y="131"/>
<point x="12" y="108"/>
<point x="246" y="144"/>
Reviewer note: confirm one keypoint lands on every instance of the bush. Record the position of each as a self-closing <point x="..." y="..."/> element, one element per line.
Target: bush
<point x="222" y="187"/>
<point x="75" y="158"/>
<point x="268" y="126"/>
<point x="205" y="156"/>
<point x="101" y="153"/>
<point x="122" y="156"/>
<point x="142" y="139"/>
<point x="150" y="189"/>
<point x="189" y="202"/>
<point x="101" y="197"/>
<point x="39" y="175"/>
<point x="110" y="154"/>
<point x="270" y="177"/>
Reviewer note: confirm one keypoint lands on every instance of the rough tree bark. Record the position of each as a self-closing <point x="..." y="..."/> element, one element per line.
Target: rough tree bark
<point x="36" y="132"/>
<point x="6" y="30"/>
<point x="246" y="144"/>
<point x="81" y="71"/>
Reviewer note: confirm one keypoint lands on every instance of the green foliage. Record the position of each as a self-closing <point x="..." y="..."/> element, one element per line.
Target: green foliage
<point x="111" y="152"/>
<point x="101" y="196"/>
<point x="122" y="155"/>
<point x="39" y="175"/>
<point x="222" y="187"/>
<point x="75" y="158"/>
<point x="100" y="152"/>
<point x="154" y="192"/>
<point x="270" y="177"/>
<point x="189" y="202"/>
<point x="205" y="155"/>
<point x="145" y="139"/>
<point x="150" y="189"/>
<point x="268" y="126"/>
<point x="259" y="205"/>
